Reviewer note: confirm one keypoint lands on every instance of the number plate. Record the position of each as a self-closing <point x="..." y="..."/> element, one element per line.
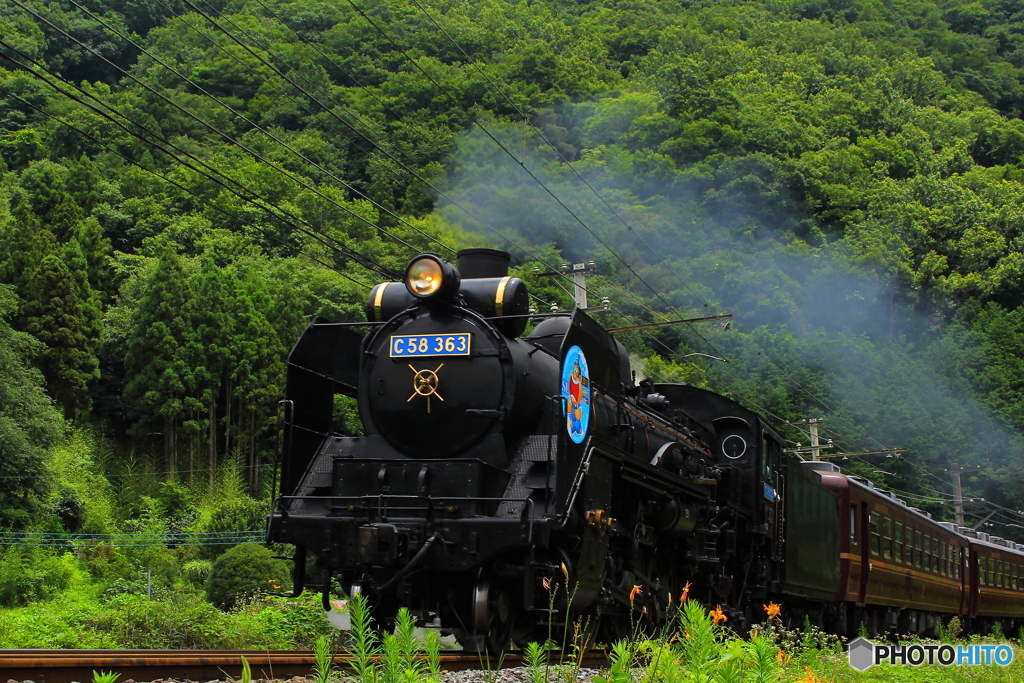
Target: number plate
<point x="415" y="346"/>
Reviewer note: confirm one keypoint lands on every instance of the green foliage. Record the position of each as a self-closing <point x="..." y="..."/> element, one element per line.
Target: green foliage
<point x="29" y="424"/>
<point x="173" y="619"/>
<point x="246" y="671"/>
<point x="30" y="574"/>
<point x="243" y="572"/>
<point x="364" y="647"/>
<point x="105" y="676"/>
<point x="155" y="367"/>
<point x="239" y="514"/>
<point x="323" y="660"/>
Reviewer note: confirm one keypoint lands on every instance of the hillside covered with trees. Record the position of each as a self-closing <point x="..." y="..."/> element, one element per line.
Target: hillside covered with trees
<point x="184" y="183"/>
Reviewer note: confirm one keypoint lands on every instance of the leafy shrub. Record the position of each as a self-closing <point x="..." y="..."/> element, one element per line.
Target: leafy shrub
<point x="182" y="621"/>
<point x="69" y="509"/>
<point x="244" y="571"/>
<point x="179" y="619"/>
<point x="32" y="574"/>
<point x="197" y="571"/>
<point x="104" y="562"/>
<point x="238" y="514"/>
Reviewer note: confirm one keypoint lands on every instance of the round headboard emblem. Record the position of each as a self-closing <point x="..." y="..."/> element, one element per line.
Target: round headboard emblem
<point x="576" y="394"/>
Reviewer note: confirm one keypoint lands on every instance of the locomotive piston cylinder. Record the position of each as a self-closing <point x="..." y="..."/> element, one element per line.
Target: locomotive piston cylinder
<point x="677" y="517"/>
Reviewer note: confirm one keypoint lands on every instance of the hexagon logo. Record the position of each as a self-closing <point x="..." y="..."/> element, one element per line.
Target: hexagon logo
<point x="862" y="654"/>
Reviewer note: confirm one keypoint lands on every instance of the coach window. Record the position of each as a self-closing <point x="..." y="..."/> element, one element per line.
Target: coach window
<point x="928" y="553"/>
<point x="853" y="524"/>
<point x="886" y="538"/>
<point x="954" y="561"/>
<point x="917" y="549"/>
<point x="898" y="537"/>
<point x="944" y="549"/>
<point x="875" y="542"/>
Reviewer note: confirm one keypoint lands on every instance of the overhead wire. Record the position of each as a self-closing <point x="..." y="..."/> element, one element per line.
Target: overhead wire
<point x="330" y="111"/>
<point x="263" y="130"/>
<point x="164" y="148"/>
<point x="177" y="185"/>
<point x="347" y="251"/>
<point x="256" y="155"/>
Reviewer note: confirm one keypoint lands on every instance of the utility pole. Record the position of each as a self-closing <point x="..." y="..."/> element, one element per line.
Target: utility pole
<point x="958" y="496"/>
<point x="579" y="273"/>
<point x="816" y="445"/>
<point x="579" y="280"/>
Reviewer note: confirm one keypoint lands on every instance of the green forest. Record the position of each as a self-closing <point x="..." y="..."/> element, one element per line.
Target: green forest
<point x="184" y="184"/>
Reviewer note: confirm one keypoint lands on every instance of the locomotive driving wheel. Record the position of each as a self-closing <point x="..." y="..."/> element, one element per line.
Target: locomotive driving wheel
<point x="494" y="609"/>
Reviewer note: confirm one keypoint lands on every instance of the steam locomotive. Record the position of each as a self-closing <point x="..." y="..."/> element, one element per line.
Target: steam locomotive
<point x="506" y="483"/>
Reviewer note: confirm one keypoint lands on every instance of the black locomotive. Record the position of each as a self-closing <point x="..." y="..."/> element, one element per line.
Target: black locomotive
<point x="500" y="473"/>
<point x="505" y="483"/>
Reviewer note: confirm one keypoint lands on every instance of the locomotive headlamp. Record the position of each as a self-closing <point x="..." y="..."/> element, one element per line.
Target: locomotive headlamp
<point x="429" y="276"/>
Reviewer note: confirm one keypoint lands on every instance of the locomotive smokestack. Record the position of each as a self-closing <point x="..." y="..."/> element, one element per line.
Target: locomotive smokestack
<point x="477" y="263"/>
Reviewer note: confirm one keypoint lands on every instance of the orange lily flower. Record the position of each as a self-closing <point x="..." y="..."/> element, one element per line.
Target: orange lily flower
<point x="637" y="590"/>
<point x="718" y="615"/>
<point x="773" y="610"/>
<point x="811" y="677"/>
<point x="686" y="593"/>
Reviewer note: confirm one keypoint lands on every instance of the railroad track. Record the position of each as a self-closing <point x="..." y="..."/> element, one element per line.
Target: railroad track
<point x="66" y="666"/>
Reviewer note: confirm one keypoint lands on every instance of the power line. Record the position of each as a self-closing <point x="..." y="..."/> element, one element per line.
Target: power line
<point x="169" y="181"/>
<point x="267" y="133"/>
<point x="351" y="127"/>
<point x="205" y="123"/>
<point x="358" y="258"/>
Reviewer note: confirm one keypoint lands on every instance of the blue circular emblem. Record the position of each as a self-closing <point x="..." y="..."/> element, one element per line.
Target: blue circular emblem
<point x="576" y="394"/>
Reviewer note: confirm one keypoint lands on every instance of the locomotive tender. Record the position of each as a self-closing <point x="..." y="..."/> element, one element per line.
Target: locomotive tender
<point x="505" y="482"/>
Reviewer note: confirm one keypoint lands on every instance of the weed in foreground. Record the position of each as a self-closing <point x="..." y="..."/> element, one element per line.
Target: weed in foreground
<point x="323" y="660"/>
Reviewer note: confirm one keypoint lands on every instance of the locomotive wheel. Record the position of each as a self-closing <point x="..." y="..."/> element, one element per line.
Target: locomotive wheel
<point x="662" y="581"/>
<point x="493" y="611"/>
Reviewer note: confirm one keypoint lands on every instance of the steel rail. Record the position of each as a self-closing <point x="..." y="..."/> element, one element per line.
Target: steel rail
<point x="68" y="666"/>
